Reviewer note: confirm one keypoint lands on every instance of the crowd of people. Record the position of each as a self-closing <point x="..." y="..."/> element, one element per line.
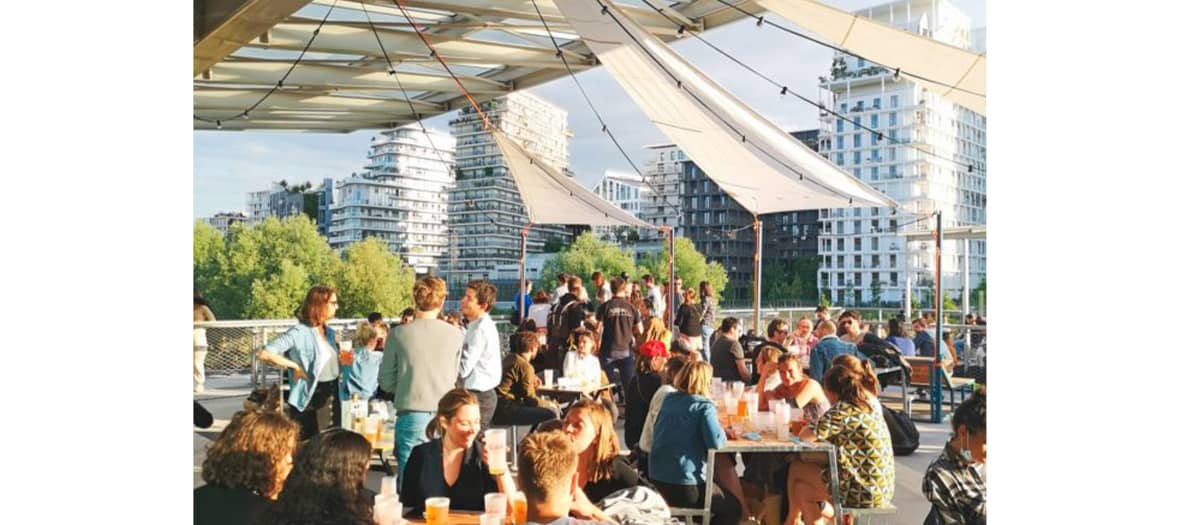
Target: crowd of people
<point x="447" y="382"/>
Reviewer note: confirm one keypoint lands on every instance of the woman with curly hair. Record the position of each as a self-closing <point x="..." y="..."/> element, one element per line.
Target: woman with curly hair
<point x="245" y="468"/>
<point x="309" y="352"/>
<point x="327" y="485"/>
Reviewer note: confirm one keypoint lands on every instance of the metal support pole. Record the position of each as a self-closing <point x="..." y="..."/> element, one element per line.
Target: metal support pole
<point x="936" y="380"/>
<point x="757" y="273"/>
<point x="524" y="236"/>
<point x="671" y="288"/>
<point x="966" y="294"/>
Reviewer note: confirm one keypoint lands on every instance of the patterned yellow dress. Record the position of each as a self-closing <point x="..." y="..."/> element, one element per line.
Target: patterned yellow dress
<point x="864" y="454"/>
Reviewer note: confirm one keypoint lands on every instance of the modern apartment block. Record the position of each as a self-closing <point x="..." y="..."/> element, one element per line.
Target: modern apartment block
<point x="664" y="169"/>
<point x="625" y="190"/>
<point x="722" y="230"/>
<point x="925" y="152"/>
<point x="223" y="220"/>
<point x="485" y="210"/>
<point x="400" y="199"/>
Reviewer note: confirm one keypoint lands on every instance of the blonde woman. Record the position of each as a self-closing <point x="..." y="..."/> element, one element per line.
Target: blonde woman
<point x="686" y="428"/>
<point x="656" y="330"/>
<point x="361" y="376"/>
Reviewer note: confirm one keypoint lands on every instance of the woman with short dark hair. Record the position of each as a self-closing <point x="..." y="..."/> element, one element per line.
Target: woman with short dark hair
<point x="309" y="352"/>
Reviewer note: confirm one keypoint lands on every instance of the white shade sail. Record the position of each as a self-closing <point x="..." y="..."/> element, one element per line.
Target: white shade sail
<point x="753" y="160"/>
<point x="963" y="71"/>
<point x="551" y="197"/>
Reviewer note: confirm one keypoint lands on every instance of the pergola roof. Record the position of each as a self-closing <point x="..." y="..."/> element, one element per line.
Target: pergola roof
<point x="342" y="83"/>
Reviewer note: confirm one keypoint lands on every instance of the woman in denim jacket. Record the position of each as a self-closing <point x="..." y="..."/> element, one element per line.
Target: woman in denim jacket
<point x="308" y="351"/>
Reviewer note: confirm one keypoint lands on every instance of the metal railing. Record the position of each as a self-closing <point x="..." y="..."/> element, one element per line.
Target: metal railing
<point x="233" y="345"/>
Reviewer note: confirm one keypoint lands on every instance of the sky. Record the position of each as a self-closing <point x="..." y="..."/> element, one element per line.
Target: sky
<point x="227" y="165"/>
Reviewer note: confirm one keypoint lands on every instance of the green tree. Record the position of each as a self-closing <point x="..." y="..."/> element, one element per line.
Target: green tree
<point x="553" y="245"/>
<point x="208" y="247"/>
<point x="373" y="280"/>
<point x="947" y="302"/>
<point x="691" y="266"/>
<point x="262" y="271"/>
<point x="586" y="255"/>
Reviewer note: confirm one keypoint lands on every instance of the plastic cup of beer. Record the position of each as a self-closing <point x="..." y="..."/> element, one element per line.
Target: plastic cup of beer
<point x="491" y="519"/>
<point x="520" y="509"/>
<point x="731" y="404"/>
<point x="548" y="377"/>
<point x="437" y="510"/>
<point x="496" y="440"/>
<point x="496" y="504"/>
<point x="388" y="485"/>
<point x="782" y="429"/>
<point x="372" y="428"/>
<point x="346" y="355"/>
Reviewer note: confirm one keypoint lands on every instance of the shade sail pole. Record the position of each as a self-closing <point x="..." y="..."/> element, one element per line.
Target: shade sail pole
<point x="524" y="236"/>
<point x="936" y="381"/>
<point x="671" y="287"/>
<point x="757" y="273"/>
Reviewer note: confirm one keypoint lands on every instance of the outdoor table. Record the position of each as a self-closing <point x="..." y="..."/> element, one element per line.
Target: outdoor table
<point x="771" y="444"/>
<point x="905" y="384"/>
<point x="454" y="517"/>
<point x="569" y="396"/>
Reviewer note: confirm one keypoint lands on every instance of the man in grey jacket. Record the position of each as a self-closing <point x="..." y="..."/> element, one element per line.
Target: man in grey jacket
<point x="420" y="364"/>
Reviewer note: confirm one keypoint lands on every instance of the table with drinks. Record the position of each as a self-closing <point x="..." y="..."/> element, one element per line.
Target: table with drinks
<point x="777" y="431"/>
<point x="569" y="390"/>
<point x="499" y="509"/>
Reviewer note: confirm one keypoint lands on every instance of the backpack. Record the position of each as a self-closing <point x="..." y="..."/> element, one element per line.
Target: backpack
<point x="637" y="505"/>
<point x="902" y="431"/>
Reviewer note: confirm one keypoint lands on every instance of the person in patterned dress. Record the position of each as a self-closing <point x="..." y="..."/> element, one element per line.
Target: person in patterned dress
<point x="864" y="450"/>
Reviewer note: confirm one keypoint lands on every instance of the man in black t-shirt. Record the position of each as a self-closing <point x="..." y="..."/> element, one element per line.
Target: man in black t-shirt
<point x="728" y="358"/>
<point x="619" y="322"/>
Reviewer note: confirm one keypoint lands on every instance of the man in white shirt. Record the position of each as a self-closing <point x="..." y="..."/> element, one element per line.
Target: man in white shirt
<point x="653" y="294"/>
<point x="561" y="289"/>
<point x="479" y="362"/>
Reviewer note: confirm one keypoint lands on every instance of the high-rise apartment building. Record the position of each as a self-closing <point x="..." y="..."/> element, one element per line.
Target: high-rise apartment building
<point x="401" y="199"/>
<point x="722" y="230"/>
<point x="485" y="210"/>
<point x="664" y="169"/>
<point x="925" y="152"/>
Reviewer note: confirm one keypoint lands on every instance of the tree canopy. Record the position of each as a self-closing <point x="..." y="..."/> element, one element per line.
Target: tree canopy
<point x="583" y="257"/>
<point x="690" y="265"/>
<point x="264" y="272"/>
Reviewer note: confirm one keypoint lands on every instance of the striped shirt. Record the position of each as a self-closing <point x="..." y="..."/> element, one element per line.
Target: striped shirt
<point x="956" y="489"/>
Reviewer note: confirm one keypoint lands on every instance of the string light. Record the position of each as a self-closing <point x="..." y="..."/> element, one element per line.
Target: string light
<point x="278" y="85"/>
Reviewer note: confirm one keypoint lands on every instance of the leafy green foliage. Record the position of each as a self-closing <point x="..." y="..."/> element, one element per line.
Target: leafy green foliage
<point x="586" y="255"/>
<point x="791" y="280"/>
<point x="374" y="280"/>
<point x="691" y="266"/>
<point x="265" y="271"/>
